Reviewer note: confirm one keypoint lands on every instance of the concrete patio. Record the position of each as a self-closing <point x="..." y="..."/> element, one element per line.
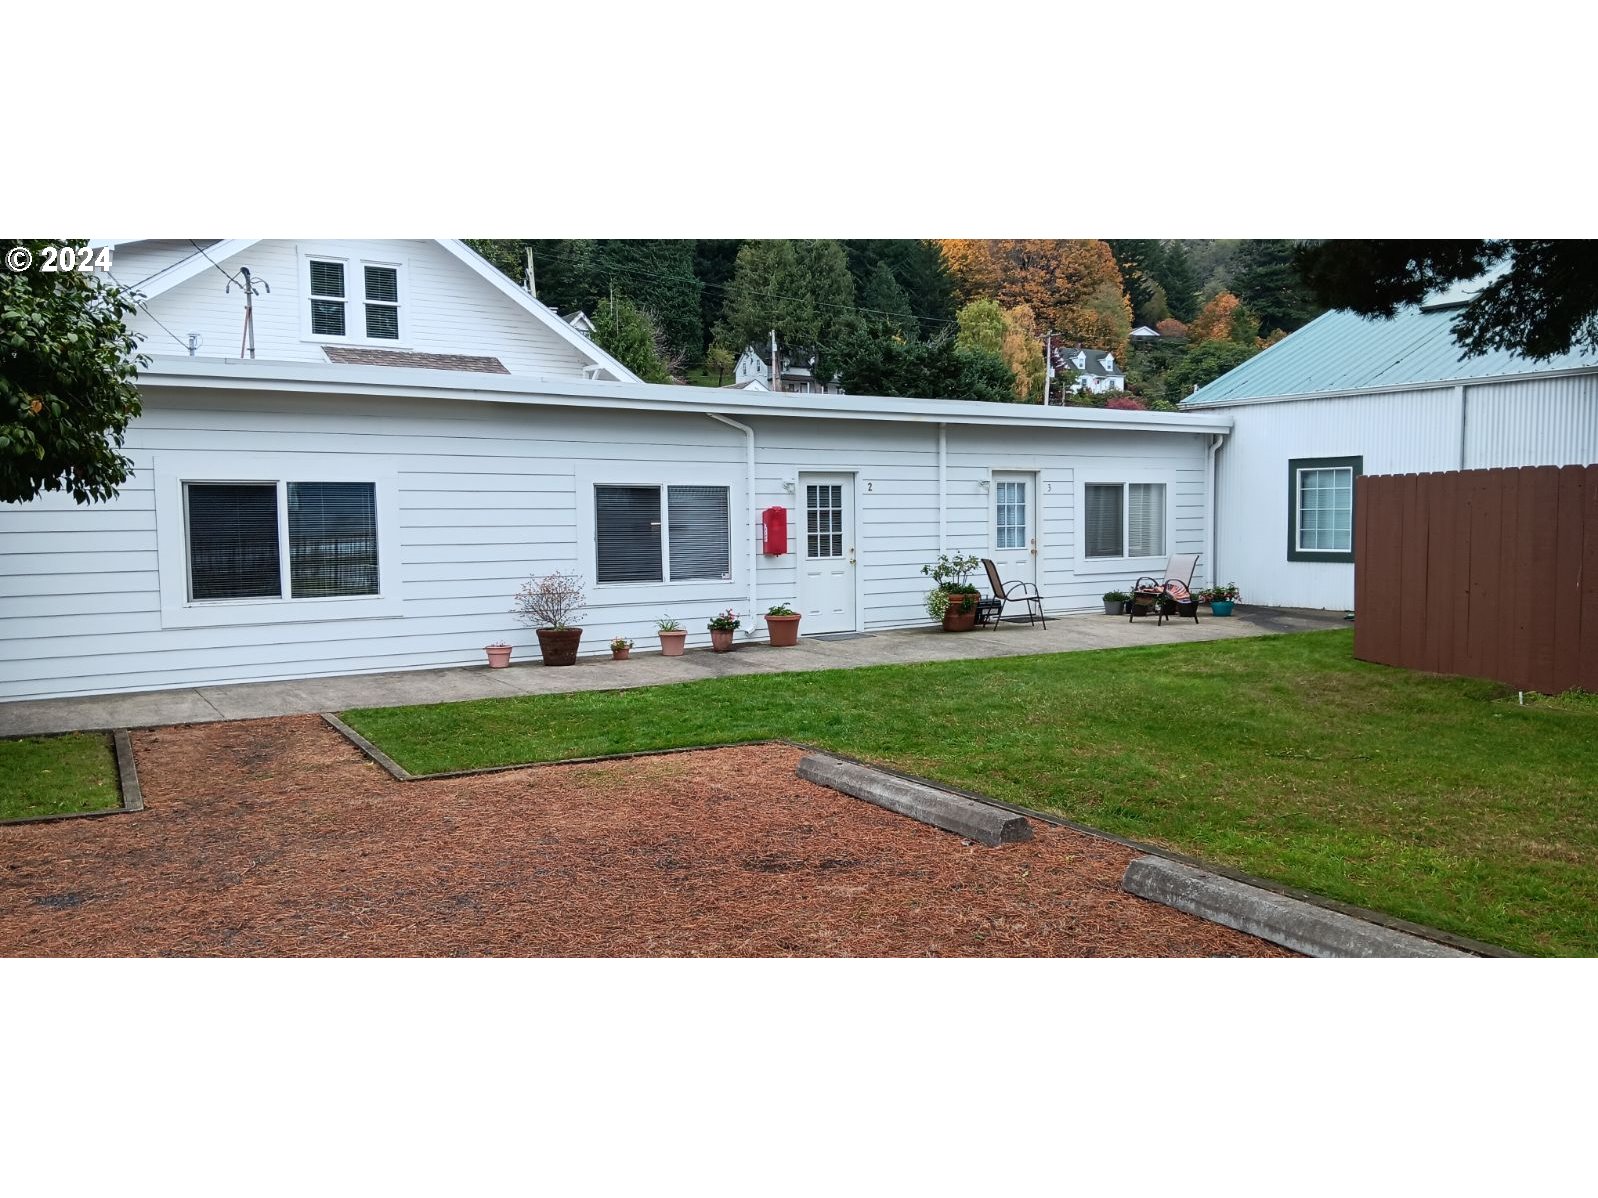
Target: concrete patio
<point x="205" y="704"/>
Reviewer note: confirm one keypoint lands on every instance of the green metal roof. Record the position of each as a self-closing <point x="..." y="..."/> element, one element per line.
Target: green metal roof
<point x="1342" y="351"/>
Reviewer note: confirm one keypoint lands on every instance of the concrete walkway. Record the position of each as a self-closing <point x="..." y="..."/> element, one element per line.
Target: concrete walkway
<point x="251" y="700"/>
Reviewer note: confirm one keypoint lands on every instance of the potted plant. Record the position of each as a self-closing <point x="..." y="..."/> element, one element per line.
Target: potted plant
<point x="498" y="655"/>
<point x="1115" y="603"/>
<point x="672" y="636"/>
<point x="721" y="629"/>
<point x="783" y="622"/>
<point x="620" y="648"/>
<point x="953" y="601"/>
<point x="1221" y="598"/>
<point x="550" y="604"/>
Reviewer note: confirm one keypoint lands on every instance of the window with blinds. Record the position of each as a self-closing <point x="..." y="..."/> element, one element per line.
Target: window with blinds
<point x="1145" y="520"/>
<point x="700" y="532"/>
<point x="233" y="541"/>
<point x="1326" y="510"/>
<point x="1124" y="520"/>
<point x="627" y="534"/>
<point x="629" y="545"/>
<point x="327" y="299"/>
<point x="332" y="539"/>
<point x="382" y="303"/>
<point x="1102" y="530"/>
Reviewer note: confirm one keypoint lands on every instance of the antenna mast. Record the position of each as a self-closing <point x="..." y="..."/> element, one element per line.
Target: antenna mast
<point x="247" y="341"/>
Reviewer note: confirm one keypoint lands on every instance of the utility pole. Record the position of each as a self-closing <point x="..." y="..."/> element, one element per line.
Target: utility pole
<point x="1048" y="364"/>
<point x="249" y="284"/>
<point x="532" y="281"/>
<point x="776" y="375"/>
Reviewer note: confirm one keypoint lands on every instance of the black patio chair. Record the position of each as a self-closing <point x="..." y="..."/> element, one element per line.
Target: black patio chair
<point x="1009" y="592"/>
<point x="1174" y="591"/>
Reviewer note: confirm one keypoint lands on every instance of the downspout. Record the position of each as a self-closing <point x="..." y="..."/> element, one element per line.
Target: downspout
<point x="754" y="517"/>
<point x="1213" y="572"/>
<point x="1460" y="392"/>
<point x="943" y="488"/>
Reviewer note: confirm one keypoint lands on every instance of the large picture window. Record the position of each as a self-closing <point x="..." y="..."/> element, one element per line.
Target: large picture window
<point x="1320" y="508"/>
<point x="235" y="540"/>
<point x="633" y="544"/>
<point x="1123" y="520"/>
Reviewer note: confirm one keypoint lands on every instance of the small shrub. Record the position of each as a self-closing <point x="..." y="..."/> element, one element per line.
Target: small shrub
<point x="667" y="624"/>
<point x="727" y="621"/>
<point x="1116" y="596"/>
<point x="553" y="601"/>
<point x="780" y="609"/>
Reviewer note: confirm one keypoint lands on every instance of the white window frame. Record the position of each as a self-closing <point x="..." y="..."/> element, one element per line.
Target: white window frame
<point x="172" y="473"/>
<point x="354" y="298"/>
<point x="1297" y="550"/>
<point x="1119" y="566"/>
<point x="661" y="476"/>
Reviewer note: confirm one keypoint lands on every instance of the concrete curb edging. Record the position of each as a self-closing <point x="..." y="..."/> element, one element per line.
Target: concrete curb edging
<point x="981" y="822"/>
<point x="1297" y="925"/>
<point x="127" y="780"/>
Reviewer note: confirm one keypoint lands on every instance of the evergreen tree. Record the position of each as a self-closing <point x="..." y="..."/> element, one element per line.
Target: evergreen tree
<point x="1176" y="275"/>
<point x="883" y="300"/>
<point x="1268" y="282"/>
<point x="631" y="336"/>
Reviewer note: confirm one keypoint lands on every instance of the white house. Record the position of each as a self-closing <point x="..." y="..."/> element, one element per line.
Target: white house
<point x="1091" y="370"/>
<point x="798" y="376"/>
<point x="1346" y="395"/>
<point x="580" y="321"/>
<point x="417" y="435"/>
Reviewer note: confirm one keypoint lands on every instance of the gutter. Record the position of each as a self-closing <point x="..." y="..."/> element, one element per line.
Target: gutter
<point x="1209" y="515"/>
<point x="754" y="517"/>
<point x="1388" y="389"/>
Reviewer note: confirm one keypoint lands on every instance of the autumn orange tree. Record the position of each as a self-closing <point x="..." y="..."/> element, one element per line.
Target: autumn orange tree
<point x="1072" y="286"/>
<point x="1011" y="336"/>
<point x="1225" y="318"/>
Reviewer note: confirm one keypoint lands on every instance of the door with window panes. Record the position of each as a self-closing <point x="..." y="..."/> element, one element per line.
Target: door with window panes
<point x="1013" y="528"/>
<point x="827" y="552"/>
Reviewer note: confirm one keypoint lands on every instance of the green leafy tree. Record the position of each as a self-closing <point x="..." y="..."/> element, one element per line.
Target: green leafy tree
<point x="876" y="361"/>
<point x="631" y="336"/>
<point x="982" y="326"/>
<point x="1204" y="363"/>
<point x="802" y="289"/>
<point x="719" y="358"/>
<point x="1543" y="300"/>
<point x="68" y="366"/>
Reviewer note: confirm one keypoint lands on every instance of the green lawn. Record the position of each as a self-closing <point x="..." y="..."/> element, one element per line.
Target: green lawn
<point x="54" y="775"/>
<point x="700" y="377"/>
<point x="1436" y="799"/>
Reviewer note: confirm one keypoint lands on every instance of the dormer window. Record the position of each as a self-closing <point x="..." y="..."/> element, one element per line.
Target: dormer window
<point x="353" y="301"/>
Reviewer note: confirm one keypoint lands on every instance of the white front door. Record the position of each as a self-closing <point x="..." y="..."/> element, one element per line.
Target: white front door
<point x="826" y="553"/>
<point x="1013" y="534"/>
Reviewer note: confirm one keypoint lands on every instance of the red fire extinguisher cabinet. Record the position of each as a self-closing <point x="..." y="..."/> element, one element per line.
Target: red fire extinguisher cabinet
<point x="774" y="523"/>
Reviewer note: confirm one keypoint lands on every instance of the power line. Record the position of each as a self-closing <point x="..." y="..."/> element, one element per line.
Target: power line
<point x="140" y="301"/>
<point x="211" y="260"/>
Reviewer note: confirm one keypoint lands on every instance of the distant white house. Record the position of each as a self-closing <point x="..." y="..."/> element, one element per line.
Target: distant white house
<point x="798" y="375"/>
<point x="417" y="434"/>
<point x="1348" y="395"/>
<point x="1144" y="333"/>
<point x="1092" y="370"/>
<point x="579" y="320"/>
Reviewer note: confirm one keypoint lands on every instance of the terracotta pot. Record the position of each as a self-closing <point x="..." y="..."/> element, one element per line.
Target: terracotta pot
<point x="784" y="630"/>
<point x="559" y="645"/>
<point x="721" y="639"/>
<point x="959" y="618"/>
<point x="620" y="654"/>
<point x="671" y="643"/>
<point x="498" y="656"/>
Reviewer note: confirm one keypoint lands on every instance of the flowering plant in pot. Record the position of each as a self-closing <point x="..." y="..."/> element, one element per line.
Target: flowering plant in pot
<point x="953" y="600"/>
<point x="498" y="655"/>
<point x="620" y="648"/>
<point x="549" y="604"/>
<point x="1115" y="603"/>
<point x="1220" y="598"/>
<point x="783" y="622"/>
<point x="672" y="636"/>
<point x="721" y="629"/>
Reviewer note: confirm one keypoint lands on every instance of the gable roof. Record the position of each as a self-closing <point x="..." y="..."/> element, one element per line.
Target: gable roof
<point x="212" y="255"/>
<point x="1340" y="352"/>
<point x="1093" y="360"/>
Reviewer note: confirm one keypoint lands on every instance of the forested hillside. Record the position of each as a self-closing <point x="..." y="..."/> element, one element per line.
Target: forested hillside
<point x="952" y="318"/>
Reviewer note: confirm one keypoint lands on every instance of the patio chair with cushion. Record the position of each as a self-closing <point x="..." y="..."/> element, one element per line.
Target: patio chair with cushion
<point x="992" y="609"/>
<point x="1159" y="595"/>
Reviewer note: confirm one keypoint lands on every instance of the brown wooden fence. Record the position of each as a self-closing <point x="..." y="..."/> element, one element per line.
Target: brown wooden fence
<point x="1488" y="573"/>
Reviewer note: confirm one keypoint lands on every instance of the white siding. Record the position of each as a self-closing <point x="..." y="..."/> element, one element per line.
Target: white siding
<point x="1525" y="422"/>
<point x="446" y="309"/>
<point x="488" y="494"/>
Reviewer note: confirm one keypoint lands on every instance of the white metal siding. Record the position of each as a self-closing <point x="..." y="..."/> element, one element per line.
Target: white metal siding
<point x="446" y="310"/>
<point x="491" y="493"/>
<point x="1526" y="422"/>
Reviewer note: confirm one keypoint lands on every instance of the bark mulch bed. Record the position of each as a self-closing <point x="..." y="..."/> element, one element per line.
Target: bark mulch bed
<point x="276" y="837"/>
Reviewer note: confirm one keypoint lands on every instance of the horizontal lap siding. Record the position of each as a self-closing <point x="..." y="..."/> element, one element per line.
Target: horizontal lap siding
<point x="488" y="494"/>
<point x="448" y="309"/>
